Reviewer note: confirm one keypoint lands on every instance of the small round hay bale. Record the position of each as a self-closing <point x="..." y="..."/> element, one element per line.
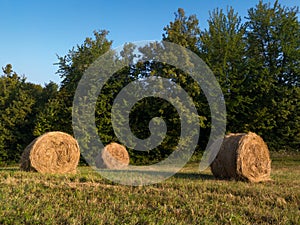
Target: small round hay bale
<point x="113" y="156"/>
<point x="52" y="152"/>
<point x="243" y="157"/>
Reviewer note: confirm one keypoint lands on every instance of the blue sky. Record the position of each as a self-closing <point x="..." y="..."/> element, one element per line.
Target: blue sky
<point x="33" y="32"/>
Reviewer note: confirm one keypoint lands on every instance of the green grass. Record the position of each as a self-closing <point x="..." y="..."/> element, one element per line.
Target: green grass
<point x="189" y="197"/>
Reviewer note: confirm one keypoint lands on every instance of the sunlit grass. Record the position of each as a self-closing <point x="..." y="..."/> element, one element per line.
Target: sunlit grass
<point x="189" y="197"/>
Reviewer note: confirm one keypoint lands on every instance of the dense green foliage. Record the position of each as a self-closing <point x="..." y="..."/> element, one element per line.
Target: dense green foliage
<point x="255" y="62"/>
<point x="272" y="55"/>
<point x="20" y="102"/>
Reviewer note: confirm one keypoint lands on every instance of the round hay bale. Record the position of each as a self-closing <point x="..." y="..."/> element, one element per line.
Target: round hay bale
<point x="243" y="157"/>
<point x="52" y="152"/>
<point x="113" y="156"/>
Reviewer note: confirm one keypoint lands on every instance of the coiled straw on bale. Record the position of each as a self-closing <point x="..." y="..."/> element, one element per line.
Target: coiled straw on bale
<point x="53" y="152"/>
<point x="243" y="157"/>
<point x="113" y="156"/>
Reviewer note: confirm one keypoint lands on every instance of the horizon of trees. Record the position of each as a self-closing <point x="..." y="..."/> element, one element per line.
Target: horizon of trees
<point x="257" y="64"/>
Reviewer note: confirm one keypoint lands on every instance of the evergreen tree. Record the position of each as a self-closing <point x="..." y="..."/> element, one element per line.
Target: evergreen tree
<point x="185" y="31"/>
<point x="222" y="48"/>
<point x="17" y="103"/>
<point x="273" y="56"/>
<point x="71" y="69"/>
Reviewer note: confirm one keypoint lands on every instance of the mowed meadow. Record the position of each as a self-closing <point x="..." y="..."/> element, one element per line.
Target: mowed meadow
<point x="255" y="63"/>
<point x="189" y="197"/>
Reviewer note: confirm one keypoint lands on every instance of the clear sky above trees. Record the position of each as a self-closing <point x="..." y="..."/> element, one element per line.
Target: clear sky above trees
<point x="34" y="31"/>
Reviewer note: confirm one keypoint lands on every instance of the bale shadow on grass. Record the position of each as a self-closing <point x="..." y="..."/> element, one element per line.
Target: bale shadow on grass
<point x="9" y="169"/>
<point x="194" y="176"/>
<point x="159" y="174"/>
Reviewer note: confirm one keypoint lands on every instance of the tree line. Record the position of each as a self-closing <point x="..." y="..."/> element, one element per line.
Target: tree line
<point x="255" y="60"/>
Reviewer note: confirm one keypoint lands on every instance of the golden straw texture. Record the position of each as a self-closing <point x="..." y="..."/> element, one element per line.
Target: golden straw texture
<point x="243" y="157"/>
<point x="53" y="152"/>
<point x="113" y="156"/>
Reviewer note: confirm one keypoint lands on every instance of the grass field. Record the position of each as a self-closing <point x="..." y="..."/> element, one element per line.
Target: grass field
<point x="189" y="197"/>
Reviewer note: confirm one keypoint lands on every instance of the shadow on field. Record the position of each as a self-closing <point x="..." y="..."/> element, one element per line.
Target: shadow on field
<point x="9" y="169"/>
<point x="159" y="174"/>
<point x="194" y="176"/>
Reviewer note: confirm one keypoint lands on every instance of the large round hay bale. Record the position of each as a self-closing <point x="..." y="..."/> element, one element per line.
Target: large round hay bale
<point x="113" y="156"/>
<point x="53" y="152"/>
<point x="243" y="157"/>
